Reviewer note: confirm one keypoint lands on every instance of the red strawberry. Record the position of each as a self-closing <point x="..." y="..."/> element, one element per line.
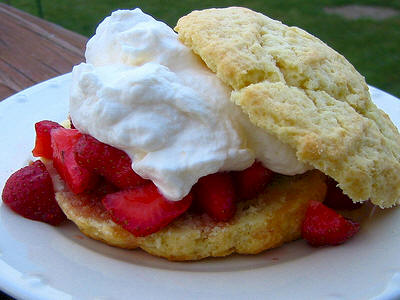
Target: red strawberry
<point x="251" y="181"/>
<point x="215" y="194"/>
<point x="323" y="226"/>
<point x="142" y="210"/>
<point x="112" y="163"/>
<point x="77" y="178"/>
<point x="102" y="188"/>
<point x="29" y="192"/>
<point x="336" y="199"/>
<point x="43" y="139"/>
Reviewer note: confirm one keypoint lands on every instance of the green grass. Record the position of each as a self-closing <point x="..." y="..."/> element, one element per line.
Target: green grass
<point x="372" y="46"/>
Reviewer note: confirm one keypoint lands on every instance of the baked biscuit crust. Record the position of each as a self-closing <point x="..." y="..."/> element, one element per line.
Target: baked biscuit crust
<point x="306" y="94"/>
<point x="265" y="222"/>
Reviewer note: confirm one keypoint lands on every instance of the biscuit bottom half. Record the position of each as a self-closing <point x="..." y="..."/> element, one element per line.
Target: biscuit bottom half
<point x="265" y="222"/>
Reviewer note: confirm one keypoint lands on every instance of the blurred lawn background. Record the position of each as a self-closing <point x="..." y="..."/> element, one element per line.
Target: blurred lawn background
<point x="372" y="46"/>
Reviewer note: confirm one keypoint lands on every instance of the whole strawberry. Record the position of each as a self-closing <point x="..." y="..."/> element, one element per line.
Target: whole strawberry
<point x="29" y="192"/>
<point x="324" y="226"/>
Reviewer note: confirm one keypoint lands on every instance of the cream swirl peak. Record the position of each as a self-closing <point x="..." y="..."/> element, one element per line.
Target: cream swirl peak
<point x="145" y="93"/>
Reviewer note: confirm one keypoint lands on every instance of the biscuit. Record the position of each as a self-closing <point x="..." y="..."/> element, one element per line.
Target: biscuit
<point x="303" y="92"/>
<point x="265" y="222"/>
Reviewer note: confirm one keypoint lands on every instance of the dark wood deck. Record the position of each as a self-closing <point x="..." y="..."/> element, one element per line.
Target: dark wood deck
<point x="33" y="50"/>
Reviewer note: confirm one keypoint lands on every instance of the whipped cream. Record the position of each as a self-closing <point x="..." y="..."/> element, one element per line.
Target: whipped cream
<point x="142" y="91"/>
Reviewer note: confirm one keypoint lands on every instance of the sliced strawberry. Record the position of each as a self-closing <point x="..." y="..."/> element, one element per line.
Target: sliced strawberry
<point x="251" y="181"/>
<point x="323" y="226"/>
<point x="216" y="195"/>
<point x="142" y="210"/>
<point x="102" y="188"/>
<point x="29" y="192"/>
<point x="112" y="163"/>
<point x="43" y="139"/>
<point x="336" y="199"/>
<point x="77" y="178"/>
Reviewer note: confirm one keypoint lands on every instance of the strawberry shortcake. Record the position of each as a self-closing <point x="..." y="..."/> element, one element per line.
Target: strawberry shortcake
<point x="224" y="137"/>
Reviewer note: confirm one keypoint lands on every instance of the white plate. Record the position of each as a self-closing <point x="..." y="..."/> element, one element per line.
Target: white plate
<point x="38" y="261"/>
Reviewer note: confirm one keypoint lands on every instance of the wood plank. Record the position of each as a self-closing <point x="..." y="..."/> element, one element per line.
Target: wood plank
<point x="33" y="50"/>
<point x="75" y="39"/>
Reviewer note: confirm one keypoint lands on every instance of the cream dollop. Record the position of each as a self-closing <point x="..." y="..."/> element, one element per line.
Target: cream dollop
<point x="144" y="92"/>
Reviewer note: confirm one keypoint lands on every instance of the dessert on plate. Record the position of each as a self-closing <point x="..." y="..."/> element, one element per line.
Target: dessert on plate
<point x="224" y="137"/>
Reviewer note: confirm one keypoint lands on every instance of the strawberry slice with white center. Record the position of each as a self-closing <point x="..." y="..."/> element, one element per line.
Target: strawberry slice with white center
<point x="143" y="210"/>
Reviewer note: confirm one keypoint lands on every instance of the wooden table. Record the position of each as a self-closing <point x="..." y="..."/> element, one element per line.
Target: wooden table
<point x="33" y="50"/>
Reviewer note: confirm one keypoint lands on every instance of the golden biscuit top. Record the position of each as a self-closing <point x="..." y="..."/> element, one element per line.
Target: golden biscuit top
<point x="306" y="94"/>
